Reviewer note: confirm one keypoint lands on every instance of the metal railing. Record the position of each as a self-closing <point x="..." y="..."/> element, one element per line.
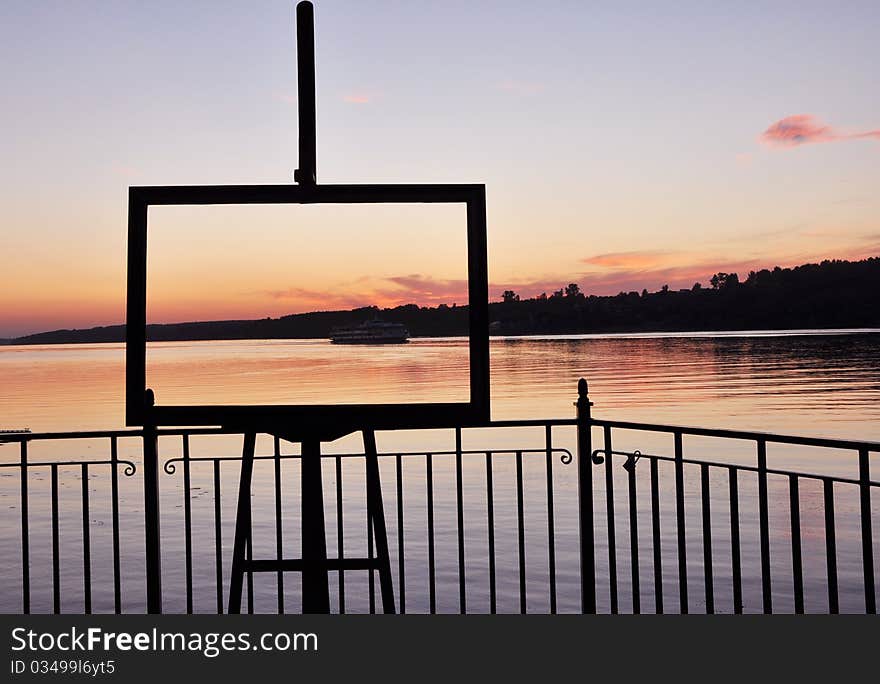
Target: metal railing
<point x="864" y="483"/>
<point x="496" y="528"/>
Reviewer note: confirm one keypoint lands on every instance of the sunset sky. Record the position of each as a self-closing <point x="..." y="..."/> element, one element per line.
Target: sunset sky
<point x="623" y="145"/>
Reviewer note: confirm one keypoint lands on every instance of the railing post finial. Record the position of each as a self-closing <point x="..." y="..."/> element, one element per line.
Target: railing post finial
<point x="583" y="403"/>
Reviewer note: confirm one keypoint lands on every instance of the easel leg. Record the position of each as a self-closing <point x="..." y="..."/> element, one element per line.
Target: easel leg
<point x="242" y="522"/>
<point x="316" y="584"/>
<point x="376" y="513"/>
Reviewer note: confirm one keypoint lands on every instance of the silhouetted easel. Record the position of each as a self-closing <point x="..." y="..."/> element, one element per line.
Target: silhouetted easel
<point x="309" y="424"/>
<point x="314" y="564"/>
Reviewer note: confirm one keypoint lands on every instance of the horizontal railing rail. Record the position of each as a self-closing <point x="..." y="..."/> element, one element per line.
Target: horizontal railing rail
<point x="801" y="440"/>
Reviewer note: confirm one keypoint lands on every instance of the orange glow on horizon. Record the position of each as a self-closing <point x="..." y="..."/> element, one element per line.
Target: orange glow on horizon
<point x="181" y="301"/>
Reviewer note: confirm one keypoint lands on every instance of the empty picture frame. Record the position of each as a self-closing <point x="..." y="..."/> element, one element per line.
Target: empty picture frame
<point x="328" y="417"/>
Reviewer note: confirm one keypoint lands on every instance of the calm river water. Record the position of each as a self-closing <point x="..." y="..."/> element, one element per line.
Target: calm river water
<point x="803" y="382"/>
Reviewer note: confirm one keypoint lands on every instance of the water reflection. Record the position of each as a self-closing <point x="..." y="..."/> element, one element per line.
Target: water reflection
<point x="826" y="384"/>
<point x="808" y="384"/>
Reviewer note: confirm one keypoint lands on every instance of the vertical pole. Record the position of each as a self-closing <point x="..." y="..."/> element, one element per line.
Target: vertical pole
<point x="151" y="507"/>
<point x="867" y="534"/>
<point x="764" y="524"/>
<point x="680" y="524"/>
<point x="551" y="528"/>
<point x="306" y="174"/>
<point x="315" y="582"/>
<point x="831" y="547"/>
<point x="25" y="534"/>
<point x="585" y="499"/>
<point x="655" y="528"/>
<point x="459" y="504"/>
<point x="610" y="520"/>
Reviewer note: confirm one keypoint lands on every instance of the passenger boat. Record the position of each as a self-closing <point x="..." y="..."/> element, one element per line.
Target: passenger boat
<point x="371" y="332"/>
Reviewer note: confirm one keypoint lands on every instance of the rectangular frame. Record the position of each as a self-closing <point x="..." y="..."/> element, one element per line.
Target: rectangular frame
<point x="330" y="416"/>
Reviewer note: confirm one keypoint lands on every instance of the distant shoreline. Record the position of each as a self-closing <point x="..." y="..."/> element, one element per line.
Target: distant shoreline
<point x="833" y="295"/>
<point x="640" y="334"/>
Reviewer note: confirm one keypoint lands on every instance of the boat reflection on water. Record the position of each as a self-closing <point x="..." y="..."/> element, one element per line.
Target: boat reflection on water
<point x="371" y="332"/>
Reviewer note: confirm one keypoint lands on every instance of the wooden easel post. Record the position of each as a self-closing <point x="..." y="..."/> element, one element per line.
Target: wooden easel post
<point x="315" y="580"/>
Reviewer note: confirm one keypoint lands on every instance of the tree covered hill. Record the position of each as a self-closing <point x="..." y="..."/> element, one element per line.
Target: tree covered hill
<point x="832" y="294"/>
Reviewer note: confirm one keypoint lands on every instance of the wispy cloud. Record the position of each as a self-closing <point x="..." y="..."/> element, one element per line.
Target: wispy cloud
<point x="521" y="87"/>
<point x="124" y="170"/>
<point x="806" y="129"/>
<point x="286" y="98"/>
<point x="604" y="274"/>
<point x="626" y="260"/>
<point x="358" y="98"/>
<point x="427" y="286"/>
<point x="414" y="288"/>
<point x="296" y="299"/>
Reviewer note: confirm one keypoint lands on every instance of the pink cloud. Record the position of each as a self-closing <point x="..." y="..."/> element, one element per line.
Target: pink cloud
<point x="356" y="98"/>
<point x="627" y="260"/>
<point x="608" y="274"/>
<point x="521" y="87"/>
<point x="421" y="289"/>
<point x="804" y="129"/>
<point x="124" y="170"/>
<point x="384" y="292"/>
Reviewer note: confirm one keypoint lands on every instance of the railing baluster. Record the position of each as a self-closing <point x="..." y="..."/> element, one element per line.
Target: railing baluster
<point x="797" y="571"/>
<point x="152" y="508"/>
<point x="707" y="539"/>
<point x="521" y="533"/>
<point x="831" y="546"/>
<point x="25" y="534"/>
<point x="187" y="524"/>
<point x="371" y="587"/>
<point x="218" y="539"/>
<point x="490" y="515"/>
<point x="551" y="532"/>
<point x="764" y="521"/>
<point x="867" y="538"/>
<point x="249" y="556"/>
<point x="655" y="527"/>
<point x="56" y="553"/>
<point x="735" y="556"/>
<point x="401" y="569"/>
<point x="429" y="475"/>
<point x="634" y="539"/>
<point x="462" y="593"/>
<point x="609" y="507"/>
<point x="340" y="534"/>
<point x="87" y="542"/>
<point x="114" y="504"/>
<point x="279" y="547"/>
<point x="249" y="539"/>
<point x="679" y="514"/>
